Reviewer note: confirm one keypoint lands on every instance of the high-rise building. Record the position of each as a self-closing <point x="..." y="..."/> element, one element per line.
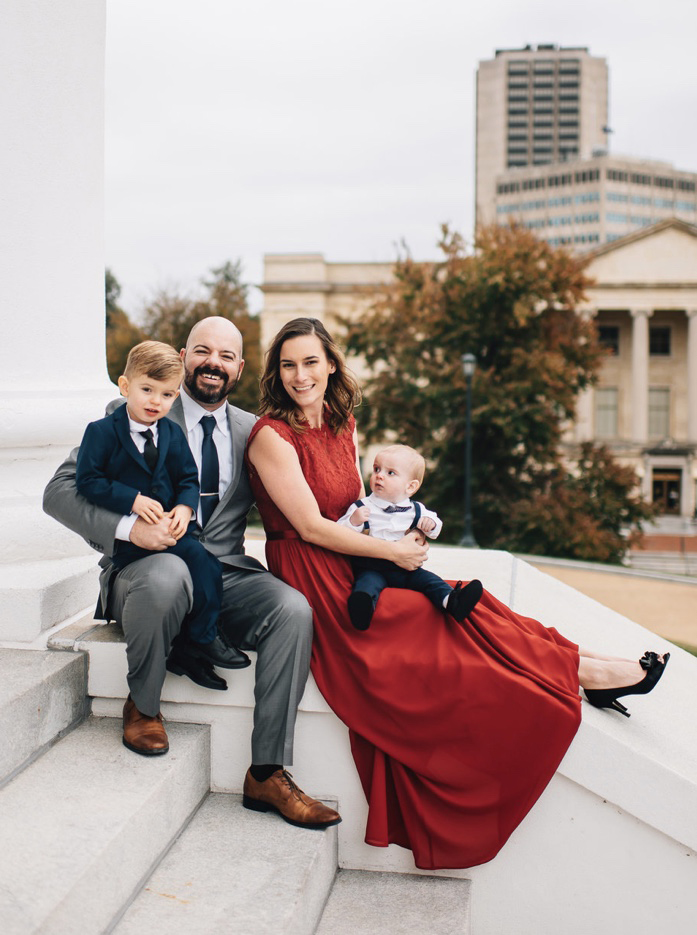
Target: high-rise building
<point x="537" y="105"/>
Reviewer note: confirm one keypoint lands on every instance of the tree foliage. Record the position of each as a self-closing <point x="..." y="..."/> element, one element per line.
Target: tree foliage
<point x="169" y="317"/>
<point x="513" y="304"/>
<point x="583" y="511"/>
<point x="121" y="333"/>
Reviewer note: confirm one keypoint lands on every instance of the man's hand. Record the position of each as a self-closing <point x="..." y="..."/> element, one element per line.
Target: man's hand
<point x="359" y="516"/>
<point x="147" y="508"/>
<point x="179" y="517"/>
<point x="155" y="537"/>
<point x="410" y="552"/>
<point x="426" y="524"/>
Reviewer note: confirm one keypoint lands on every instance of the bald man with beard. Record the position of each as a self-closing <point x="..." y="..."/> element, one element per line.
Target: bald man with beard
<point x="151" y="597"/>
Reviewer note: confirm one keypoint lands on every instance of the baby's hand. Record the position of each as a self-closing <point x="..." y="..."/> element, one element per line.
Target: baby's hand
<point x="180" y="518"/>
<point x="426" y="524"/>
<point x="147" y="508"/>
<point x="360" y="516"/>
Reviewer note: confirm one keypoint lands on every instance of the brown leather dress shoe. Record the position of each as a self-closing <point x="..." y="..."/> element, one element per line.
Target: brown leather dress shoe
<point x="280" y="793"/>
<point x="141" y="734"/>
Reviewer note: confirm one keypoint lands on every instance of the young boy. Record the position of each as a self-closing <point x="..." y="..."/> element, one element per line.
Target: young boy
<point x="388" y="513"/>
<point x="136" y="461"/>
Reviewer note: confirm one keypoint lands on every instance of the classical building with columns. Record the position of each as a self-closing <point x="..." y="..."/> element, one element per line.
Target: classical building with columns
<point x="644" y="407"/>
<point x="644" y="300"/>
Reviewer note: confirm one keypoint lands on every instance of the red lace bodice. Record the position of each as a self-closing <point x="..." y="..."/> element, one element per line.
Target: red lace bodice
<point x="328" y="462"/>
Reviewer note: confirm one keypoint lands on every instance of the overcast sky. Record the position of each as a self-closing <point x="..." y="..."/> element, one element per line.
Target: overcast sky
<point x="235" y="130"/>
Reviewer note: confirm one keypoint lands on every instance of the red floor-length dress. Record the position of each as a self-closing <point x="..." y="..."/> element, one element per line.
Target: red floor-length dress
<point x="455" y="729"/>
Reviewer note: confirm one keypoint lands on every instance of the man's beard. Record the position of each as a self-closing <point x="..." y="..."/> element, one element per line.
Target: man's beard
<point x="209" y="394"/>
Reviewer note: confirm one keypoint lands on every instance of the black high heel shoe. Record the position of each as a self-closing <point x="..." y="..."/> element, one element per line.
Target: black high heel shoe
<point x="607" y="697"/>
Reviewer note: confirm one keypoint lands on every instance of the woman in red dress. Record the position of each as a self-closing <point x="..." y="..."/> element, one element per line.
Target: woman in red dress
<point x="455" y="729"/>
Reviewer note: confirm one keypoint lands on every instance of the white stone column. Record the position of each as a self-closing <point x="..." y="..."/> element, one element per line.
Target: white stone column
<point x="584" y="426"/>
<point x="640" y="374"/>
<point x="53" y="378"/>
<point x="692" y="375"/>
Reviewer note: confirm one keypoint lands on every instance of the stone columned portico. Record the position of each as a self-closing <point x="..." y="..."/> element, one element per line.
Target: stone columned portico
<point x="644" y="407"/>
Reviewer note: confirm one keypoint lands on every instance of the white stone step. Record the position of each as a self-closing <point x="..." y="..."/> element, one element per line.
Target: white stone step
<point x="42" y="695"/>
<point x="83" y="826"/>
<point x="363" y="902"/>
<point x="237" y="872"/>
<point x="35" y="596"/>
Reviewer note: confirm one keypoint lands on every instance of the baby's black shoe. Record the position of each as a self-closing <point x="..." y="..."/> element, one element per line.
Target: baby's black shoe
<point x="360" y="608"/>
<point x="462" y="601"/>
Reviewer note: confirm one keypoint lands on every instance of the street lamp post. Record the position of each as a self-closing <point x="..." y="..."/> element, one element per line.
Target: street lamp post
<point x="469" y="365"/>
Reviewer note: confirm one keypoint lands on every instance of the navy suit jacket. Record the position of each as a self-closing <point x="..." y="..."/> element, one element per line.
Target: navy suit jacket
<point x="111" y="471"/>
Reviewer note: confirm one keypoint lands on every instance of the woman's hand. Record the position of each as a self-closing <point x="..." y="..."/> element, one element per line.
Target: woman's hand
<point x="410" y="552"/>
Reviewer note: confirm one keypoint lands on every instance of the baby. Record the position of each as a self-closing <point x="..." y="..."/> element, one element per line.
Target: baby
<point x="389" y="513"/>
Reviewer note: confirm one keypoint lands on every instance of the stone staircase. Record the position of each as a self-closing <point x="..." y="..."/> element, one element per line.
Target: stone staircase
<point x="98" y="840"/>
<point x="667" y="563"/>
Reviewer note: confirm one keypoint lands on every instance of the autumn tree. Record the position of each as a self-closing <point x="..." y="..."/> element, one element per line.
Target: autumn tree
<point x="169" y="317"/>
<point x="121" y="333"/>
<point x="513" y="303"/>
<point x="583" y="510"/>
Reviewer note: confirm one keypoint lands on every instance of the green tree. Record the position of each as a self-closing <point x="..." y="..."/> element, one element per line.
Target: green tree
<point x="121" y="333"/>
<point x="513" y="303"/>
<point x="170" y="316"/>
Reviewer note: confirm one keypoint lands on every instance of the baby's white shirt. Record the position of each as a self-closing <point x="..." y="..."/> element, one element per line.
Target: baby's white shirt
<point x="391" y="526"/>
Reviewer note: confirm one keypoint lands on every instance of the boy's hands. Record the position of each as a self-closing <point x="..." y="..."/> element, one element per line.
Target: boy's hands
<point x="148" y="509"/>
<point x="151" y="511"/>
<point x="426" y="524"/>
<point x="359" y="516"/>
<point x="180" y="517"/>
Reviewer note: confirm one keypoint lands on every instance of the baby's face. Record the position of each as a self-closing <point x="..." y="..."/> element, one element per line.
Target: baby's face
<point x="391" y="478"/>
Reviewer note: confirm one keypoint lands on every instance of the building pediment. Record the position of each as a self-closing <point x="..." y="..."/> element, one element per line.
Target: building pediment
<point x="664" y="254"/>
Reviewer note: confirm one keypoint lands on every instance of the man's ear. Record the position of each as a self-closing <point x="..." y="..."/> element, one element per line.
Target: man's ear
<point x="122" y="384"/>
<point x="412" y="487"/>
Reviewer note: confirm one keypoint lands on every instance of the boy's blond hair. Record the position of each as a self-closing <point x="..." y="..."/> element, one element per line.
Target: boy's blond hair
<point x="414" y="462"/>
<point x="155" y="360"/>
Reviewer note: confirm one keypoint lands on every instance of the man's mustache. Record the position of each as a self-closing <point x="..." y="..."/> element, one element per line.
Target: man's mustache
<point x="210" y="371"/>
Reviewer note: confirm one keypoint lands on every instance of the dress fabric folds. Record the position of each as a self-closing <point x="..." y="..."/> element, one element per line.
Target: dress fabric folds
<point x="455" y="729"/>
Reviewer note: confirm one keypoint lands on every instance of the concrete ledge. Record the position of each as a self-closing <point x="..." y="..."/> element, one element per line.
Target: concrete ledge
<point x="363" y="903"/>
<point x="35" y="596"/>
<point x="238" y="872"/>
<point x="42" y="695"/>
<point x="84" y="824"/>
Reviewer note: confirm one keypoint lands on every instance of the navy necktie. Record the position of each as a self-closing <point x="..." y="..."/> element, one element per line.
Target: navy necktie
<point x="210" y="470"/>
<point x="150" y="450"/>
<point x="396" y="509"/>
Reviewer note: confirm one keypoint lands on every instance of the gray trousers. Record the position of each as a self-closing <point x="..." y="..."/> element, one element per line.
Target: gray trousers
<point x="150" y="598"/>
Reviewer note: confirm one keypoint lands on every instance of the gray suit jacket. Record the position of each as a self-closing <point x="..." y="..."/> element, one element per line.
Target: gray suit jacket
<point x="223" y="534"/>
